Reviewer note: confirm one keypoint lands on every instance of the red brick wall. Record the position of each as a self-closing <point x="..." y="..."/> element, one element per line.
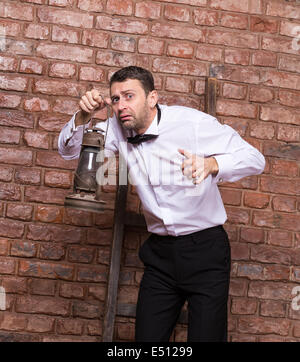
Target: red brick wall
<point x="54" y="261"/>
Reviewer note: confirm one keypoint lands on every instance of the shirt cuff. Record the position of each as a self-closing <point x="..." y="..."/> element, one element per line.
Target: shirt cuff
<point x="225" y="163"/>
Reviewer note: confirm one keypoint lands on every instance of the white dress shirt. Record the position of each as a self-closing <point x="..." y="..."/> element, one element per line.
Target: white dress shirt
<point x="172" y="203"/>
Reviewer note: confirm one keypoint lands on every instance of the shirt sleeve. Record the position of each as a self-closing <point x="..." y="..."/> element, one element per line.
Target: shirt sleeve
<point x="236" y="158"/>
<point x="70" y="139"/>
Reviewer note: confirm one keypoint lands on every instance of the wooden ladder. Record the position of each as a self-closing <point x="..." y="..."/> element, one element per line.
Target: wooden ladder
<point x="122" y="219"/>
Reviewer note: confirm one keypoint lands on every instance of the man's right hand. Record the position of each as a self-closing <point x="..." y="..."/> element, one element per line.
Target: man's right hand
<point x="88" y="103"/>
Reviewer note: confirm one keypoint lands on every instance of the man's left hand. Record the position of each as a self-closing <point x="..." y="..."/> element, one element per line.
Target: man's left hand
<point x="198" y="168"/>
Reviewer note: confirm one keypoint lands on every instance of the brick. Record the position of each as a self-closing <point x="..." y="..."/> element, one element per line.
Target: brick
<point x="86" y="310"/>
<point x="62" y="70"/>
<point x="262" y="131"/>
<point x="49" y="214"/>
<point x="250" y="271"/>
<point x="71" y="326"/>
<point x="92" y="274"/>
<point x="91" y="74"/>
<point x="16" y="156"/>
<point x="95" y="38"/>
<point x="174" y="84"/>
<point x="243" y="306"/>
<point x="54" y="233"/>
<point x="42" y="305"/>
<point x="19" y="212"/>
<point x="127" y="294"/>
<point x="284" y="168"/>
<point x="42" y="286"/>
<point x="9" y="82"/>
<point x="31" y="66"/>
<point x="178" y="32"/>
<point x="19" y="47"/>
<point x="16" y="11"/>
<point x="235" y="39"/>
<point x="180" y="50"/>
<point x="10" y="136"/>
<point x="65" y="17"/>
<point x="52" y="252"/>
<point x="150" y="46"/>
<point x="6" y="173"/>
<point x="120" y="59"/>
<point x="270" y="254"/>
<point x="280" y="185"/>
<point x="45" y="195"/>
<point x="80" y="254"/>
<point x="234" y="91"/>
<point x="236" y="74"/>
<point x="52" y="123"/>
<point x="78" y="217"/>
<point x="279" y="114"/>
<point x="97" y="292"/>
<point x="99" y="237"/>
<point x="10" y="192"/>
<point x="276" y="8"/>
<point x="147" y="10"/>
<point x="279" y="44"/>
<point x="205" y="17"/>
<point x="36" y="105"/>
<point x="52" y="159"/>
<point x="71" y="291"/>
<point x="36" y="139"/>
<point x="61" y="179"/>
<point x="271" y="290"/>
<point x="8" y="63"/>
<point x="61" y="3"/>
<point x="233" y="108"/>
<point x="256" y="200"/>
<point x="235" y="21"/>
<point x="289" y="98"/>
<point x="276" y="220"/>
<point x="279" y="79"/>
<point x="234" y="56"/>
<point x="252" y="235"/>
<point x="260" y="325"/>
<point x="238" y="215"/>
<point x="264" y="58"/>
<point x="28" y="176"/>
<point x="175" y="12"/>
<point x="22" y="248"/>
<point x="90" y="5"/>
<point x="264" y="25"/>
<point x="40" y="324"/>
<point x="120" y="7"/>
<point x="288" y="133"/>
<point x="65" y="107"/>
<point x="54" y="87"/>
<point x="7" y="265"/>
<point x="287" y="204"/>
<point x="231" y="197"/>
<point x="10" y="28"/>
<point x="238" y="287"/>
<point x="65" y="35"/>
<point x="64" y="52"/>
<point x="271" y="308"/>
<point x="179" y="67"/>
<point x="289" y="63"/>
<point x="13" y="322"/>
<point x="124" y="43"/>
<point x="287" y="151"/>
<point x="262" y="95"/>
<point x="121" y="25"/>
<point x="210" y="53"/>
<point x="45" y="270"/>
<point x="36" y="31"/>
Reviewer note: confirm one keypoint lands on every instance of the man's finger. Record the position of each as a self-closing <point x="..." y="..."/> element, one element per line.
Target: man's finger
<point x="185" y="153"/>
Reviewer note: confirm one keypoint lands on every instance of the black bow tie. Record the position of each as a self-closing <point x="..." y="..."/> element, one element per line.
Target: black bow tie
<point x="139" y="138"/>
<point x="136" y="140"/>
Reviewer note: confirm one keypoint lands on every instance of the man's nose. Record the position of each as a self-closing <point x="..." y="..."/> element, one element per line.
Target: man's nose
<point x="122" y="104"/>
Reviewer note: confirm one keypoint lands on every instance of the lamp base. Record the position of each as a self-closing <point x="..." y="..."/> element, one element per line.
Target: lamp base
<point x="85" y="203"/>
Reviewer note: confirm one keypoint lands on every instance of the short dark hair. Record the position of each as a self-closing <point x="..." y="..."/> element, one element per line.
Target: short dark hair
<point x="133" y="72"/>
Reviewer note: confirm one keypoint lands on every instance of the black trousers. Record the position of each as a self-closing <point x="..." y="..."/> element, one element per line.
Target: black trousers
<point x="194" y="267"/>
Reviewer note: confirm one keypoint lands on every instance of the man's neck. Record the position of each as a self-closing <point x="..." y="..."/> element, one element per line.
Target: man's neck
<point x="151" y="118"/>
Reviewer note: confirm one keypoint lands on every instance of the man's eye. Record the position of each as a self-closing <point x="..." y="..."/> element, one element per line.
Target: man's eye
<point x="115" y="100"/>
<point x="129" y="96"/>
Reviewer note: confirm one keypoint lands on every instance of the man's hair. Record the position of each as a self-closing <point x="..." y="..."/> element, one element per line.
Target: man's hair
<point x="133" y="72"/>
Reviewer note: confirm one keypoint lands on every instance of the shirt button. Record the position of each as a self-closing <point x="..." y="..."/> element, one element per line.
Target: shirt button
<point x="220" y="180"/>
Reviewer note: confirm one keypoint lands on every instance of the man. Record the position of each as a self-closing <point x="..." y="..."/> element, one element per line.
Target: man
<point x="176" y="156"/>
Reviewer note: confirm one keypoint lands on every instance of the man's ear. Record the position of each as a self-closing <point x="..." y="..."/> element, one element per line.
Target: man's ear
<point x="152" y="98"/>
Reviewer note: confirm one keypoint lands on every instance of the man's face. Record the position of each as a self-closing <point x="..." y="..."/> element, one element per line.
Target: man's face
<point x="131" y="106"/>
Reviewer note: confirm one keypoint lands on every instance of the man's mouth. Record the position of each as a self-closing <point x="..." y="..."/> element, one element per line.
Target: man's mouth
<point x="125" y="117"/>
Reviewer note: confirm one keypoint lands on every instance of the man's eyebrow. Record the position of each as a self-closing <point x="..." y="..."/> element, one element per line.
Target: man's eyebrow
<point x="123" y="92"/>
